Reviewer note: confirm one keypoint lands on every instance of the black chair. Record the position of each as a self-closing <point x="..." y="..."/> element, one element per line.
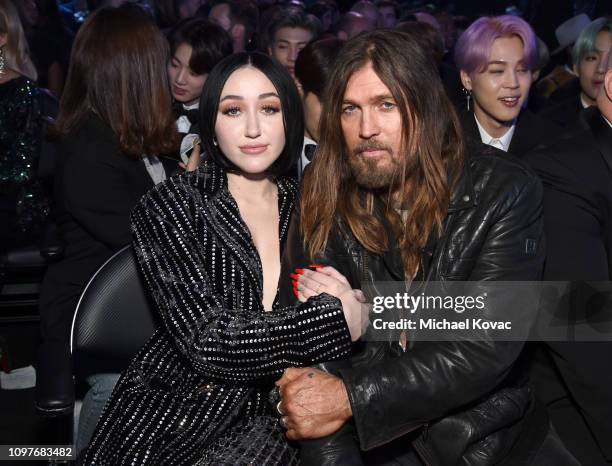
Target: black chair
<point x="113" y="319"/>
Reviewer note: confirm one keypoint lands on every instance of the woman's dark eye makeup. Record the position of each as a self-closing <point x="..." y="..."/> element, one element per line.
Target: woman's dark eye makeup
<point x="231" y="110"/>
<point x="268" y="108"/>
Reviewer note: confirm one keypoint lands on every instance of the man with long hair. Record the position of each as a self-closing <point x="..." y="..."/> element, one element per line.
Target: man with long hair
<point x="395" y="194"/>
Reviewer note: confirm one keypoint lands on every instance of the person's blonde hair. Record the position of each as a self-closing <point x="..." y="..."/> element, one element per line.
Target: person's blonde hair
<point x="16" y="50"/>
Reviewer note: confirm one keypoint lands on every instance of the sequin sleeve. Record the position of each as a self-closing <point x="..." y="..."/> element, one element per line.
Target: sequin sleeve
<point x="20" y="139"/>
<point x="207" y="305"/>
<point x="21" y="128"/>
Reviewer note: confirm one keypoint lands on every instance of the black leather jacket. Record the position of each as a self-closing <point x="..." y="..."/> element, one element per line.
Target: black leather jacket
<point x="457" y="401"/>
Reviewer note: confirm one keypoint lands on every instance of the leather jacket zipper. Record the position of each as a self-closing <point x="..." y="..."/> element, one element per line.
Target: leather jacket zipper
<point x="364" y="266"/>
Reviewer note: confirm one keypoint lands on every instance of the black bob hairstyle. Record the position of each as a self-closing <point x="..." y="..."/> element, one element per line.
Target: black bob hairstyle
<point x="291" y="105"/>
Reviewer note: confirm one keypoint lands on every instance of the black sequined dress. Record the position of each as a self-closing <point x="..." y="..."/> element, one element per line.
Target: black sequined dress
<point x="23" y="205"/>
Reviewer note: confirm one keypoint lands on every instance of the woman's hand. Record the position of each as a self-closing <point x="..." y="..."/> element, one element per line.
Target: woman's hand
<point x="194" y="159"/>
<point x="308" y="283"/>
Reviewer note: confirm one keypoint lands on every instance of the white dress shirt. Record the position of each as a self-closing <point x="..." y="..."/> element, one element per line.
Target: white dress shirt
<point x="303" y="160"/>
<point x="182" y="123"/>
<point x="502" y="143"/>
<point x="583" y="103"/>
<point x="155" y="168"/>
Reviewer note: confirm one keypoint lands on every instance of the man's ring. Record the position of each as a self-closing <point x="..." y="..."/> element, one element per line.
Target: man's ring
<point x="278" y="408"/>
<point x="283" y="422"/>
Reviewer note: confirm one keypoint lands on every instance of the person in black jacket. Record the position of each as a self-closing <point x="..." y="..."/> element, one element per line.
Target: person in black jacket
<point x="111" y="127"/>
<point x="196" y="46"/>
<point x="497" y="57"/>
<point x="574" y="378"/>
<point x="393" y="195"/>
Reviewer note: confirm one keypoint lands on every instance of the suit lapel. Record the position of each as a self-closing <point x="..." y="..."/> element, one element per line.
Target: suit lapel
<point x="223" y="216"/>
<point x="287" y="198"/>
<point x="240" y="241"/>
<point x="525" y="134"/>
<point x="470" y="128"/>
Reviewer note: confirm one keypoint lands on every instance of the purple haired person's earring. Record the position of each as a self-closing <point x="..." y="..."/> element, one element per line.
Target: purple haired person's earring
<point x="468" y="96"/>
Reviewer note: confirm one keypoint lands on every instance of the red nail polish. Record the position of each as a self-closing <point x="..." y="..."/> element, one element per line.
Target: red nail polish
<point x="295" y="276"/>
<point x="299" y="271"/>
<point x="316" y="266"/>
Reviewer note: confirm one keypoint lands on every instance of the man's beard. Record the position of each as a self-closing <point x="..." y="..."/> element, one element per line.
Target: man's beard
<point x="373" y="172"/>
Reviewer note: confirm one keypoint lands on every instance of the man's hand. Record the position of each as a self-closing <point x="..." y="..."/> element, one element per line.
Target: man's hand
<point x="314" y="403"/>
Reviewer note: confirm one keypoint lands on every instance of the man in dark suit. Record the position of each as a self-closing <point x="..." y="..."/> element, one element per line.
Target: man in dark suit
<point x="574" y="379"/>
<point x="530" y="130"/>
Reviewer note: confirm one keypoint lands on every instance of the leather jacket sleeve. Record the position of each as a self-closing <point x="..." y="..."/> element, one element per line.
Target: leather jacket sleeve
<point x="395" y="395"/>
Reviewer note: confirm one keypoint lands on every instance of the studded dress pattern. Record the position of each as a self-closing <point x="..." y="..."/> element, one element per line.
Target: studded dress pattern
<point x="23" y="205"/>
<point x="214" y="360"/>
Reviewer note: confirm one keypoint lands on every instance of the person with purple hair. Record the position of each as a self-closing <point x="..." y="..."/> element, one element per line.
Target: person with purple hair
<point x="496" y="57"/>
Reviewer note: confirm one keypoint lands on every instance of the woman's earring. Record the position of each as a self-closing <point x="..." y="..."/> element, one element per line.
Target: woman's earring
<point x="468" y="96"/>
<point x="215" y="141"/>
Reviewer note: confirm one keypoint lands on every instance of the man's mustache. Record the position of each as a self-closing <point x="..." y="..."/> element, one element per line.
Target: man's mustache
<point x="370" y="145"/>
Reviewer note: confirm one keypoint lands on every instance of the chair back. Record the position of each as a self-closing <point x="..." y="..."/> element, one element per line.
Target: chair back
<point x="113" y="319"/>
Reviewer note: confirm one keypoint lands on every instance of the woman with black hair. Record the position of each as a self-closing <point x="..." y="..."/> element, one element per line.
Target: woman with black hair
<point x="209" y="244"/>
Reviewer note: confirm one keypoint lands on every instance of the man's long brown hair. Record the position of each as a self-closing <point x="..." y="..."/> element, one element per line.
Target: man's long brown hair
<point x="118" y="71"/>
<point x="429" y="164"/>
